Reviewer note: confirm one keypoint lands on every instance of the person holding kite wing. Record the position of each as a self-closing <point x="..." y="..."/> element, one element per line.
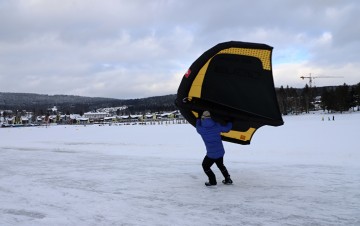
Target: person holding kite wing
<point x="232" y="80"/>
<point x="210" y="132"/>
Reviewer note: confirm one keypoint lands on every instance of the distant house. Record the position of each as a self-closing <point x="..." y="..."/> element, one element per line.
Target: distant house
<point x="150" y="117"/>
<point x="123" y="118"/>
<point x="74" y="116"/>
<point x="96" y="116"/>
<point x="129" y="118"/>
<point x="136" y="117"/>
<point x="10" y="120"/>
<point x="53" y="119"/>
<point x="24" y="120"/>
<point x="82" y="120"/>
<point x="40" y="119"/>
<point x="172" y="114"/>
<point x="110" y="119"/>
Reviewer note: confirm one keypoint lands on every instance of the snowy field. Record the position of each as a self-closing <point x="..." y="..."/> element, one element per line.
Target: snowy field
<point x="306" y="172"/>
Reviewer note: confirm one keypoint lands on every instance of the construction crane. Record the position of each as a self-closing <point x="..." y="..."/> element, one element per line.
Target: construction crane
<point x="310" y="77"/>
<point x="309" y="98"/>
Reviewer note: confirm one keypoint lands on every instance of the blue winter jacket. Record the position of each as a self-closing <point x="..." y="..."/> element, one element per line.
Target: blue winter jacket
<point x="210" y="133"/>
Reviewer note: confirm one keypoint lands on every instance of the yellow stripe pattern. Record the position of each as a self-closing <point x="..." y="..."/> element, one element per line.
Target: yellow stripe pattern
<point x="262" y="54"/>
<point x="244" y="136"/>
<point x="195" y="90"/>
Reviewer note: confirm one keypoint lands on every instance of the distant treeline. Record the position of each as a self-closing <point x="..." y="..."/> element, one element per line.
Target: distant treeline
<point x="291" y="101"/>
<point x="333" y="98"/>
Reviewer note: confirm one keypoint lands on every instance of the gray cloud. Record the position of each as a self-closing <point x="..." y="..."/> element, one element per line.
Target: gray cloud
<point x="130" y="49"/>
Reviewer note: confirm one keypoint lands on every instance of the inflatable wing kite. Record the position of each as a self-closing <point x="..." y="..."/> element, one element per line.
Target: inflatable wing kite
<point x="233" y="80"/>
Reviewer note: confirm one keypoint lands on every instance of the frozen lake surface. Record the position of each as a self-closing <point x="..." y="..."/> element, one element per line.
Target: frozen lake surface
<point x="306" y="172"/>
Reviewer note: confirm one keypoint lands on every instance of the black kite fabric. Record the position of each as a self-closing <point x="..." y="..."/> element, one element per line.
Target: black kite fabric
<point x="233" y="80"/>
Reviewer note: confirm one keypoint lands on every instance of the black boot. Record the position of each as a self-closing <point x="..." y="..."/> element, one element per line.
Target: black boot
<point x="227" y="180"/>
<point x="212" y="178"/>
<point x="226" y="175"/>
<point x="210" y="184"/>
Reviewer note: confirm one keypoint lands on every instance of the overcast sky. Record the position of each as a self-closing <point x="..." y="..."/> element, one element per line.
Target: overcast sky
<point x="140" y="48"/>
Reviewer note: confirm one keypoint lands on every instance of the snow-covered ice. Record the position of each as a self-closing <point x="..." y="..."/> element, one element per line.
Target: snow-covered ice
<point x="306" y="172"/>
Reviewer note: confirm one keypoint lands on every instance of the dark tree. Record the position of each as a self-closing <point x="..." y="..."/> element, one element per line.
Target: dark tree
<point x="342" y="98"/>
<point x="328" y="99"/>
<point x="306" y="98"/>
<point x="357" y="95"/>
<point x="282" y="100"/>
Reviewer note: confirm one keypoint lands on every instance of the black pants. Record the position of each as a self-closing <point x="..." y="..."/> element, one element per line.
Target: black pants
<point x="208" y="162"/>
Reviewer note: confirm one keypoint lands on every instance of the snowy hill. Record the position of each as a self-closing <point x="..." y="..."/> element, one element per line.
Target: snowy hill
<point x="77" y="104"/>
